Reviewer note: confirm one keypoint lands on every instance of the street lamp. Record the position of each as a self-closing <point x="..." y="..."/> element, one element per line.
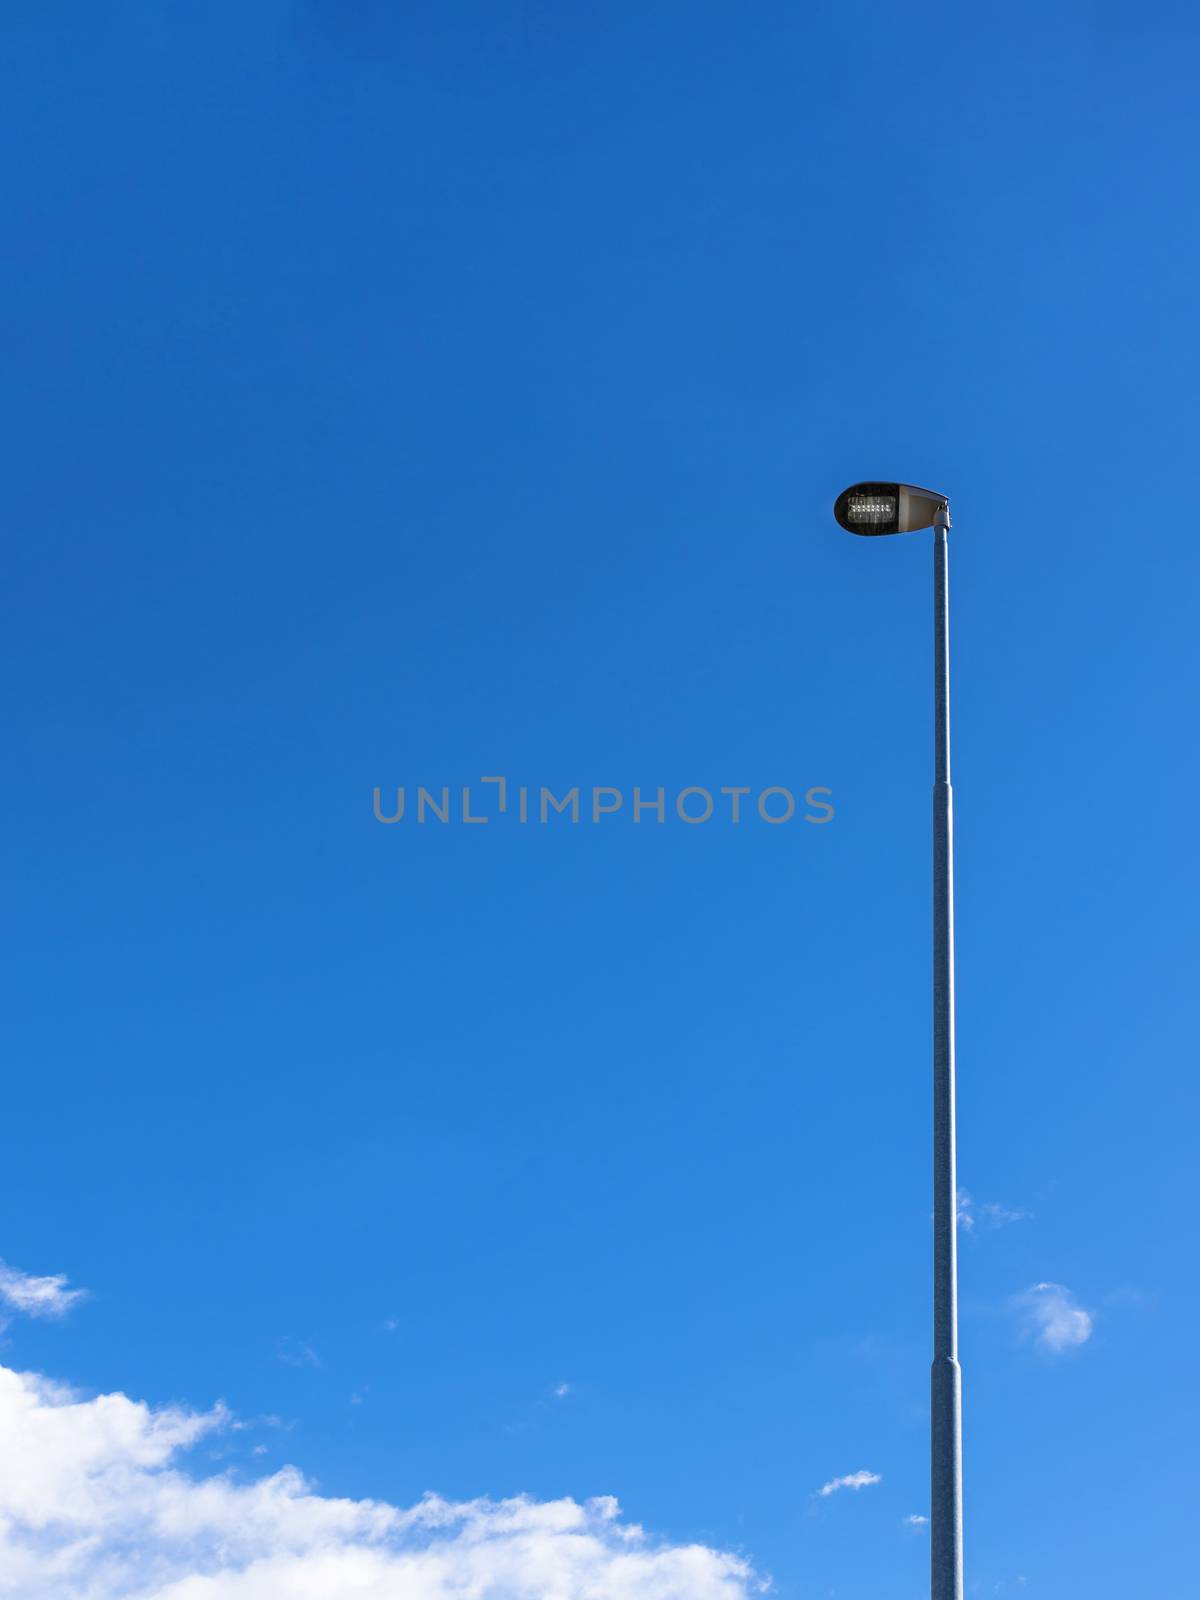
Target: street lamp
<point x="873" y="509"/>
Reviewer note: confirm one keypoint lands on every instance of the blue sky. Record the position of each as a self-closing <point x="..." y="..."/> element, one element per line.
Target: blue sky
<point x="401" y="394"/>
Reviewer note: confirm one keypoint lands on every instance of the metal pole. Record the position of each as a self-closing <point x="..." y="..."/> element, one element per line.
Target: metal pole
<point x="946" y="1524"/>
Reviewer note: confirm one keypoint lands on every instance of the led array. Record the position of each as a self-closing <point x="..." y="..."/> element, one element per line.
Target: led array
<point x="862" y="509"/>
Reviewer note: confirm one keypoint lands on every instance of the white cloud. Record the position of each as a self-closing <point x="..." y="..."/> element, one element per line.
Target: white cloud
<point x="852" y="1480"/>
<point x="998" y="1216"/>
<point x="560" y="1391"/>
<point x="96" y="1505"/>
<point x="1053" y="1317"/>
<point x="991" y="1214"/>
<point x="916" y="1521"/>
<point x="37" y="1297"/>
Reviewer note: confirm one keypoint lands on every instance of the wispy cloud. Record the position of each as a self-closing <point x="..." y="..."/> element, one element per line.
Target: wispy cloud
<point x="1051" y="1315"/>
<point x="989" y="1216"/>
<point x="113" y="1513"/>
<point x="266" y="1420"/>
<point x="560" y="1391"/>
<point x="916" y="1521"/>
<point x="37" y="1297"/>
<point x="296" y="1353"/>
<point x="998" y="1216"/>
<point x="852" y="1480"/>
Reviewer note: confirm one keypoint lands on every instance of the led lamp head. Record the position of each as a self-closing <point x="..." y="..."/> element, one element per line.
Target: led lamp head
<point x="877" y="508"/>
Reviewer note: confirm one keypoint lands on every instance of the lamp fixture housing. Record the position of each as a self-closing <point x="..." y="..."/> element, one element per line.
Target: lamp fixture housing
<point x="872" y="509"/>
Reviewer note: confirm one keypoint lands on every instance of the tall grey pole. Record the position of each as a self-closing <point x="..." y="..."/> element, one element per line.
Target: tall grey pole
<point x="946" y="1523"/>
